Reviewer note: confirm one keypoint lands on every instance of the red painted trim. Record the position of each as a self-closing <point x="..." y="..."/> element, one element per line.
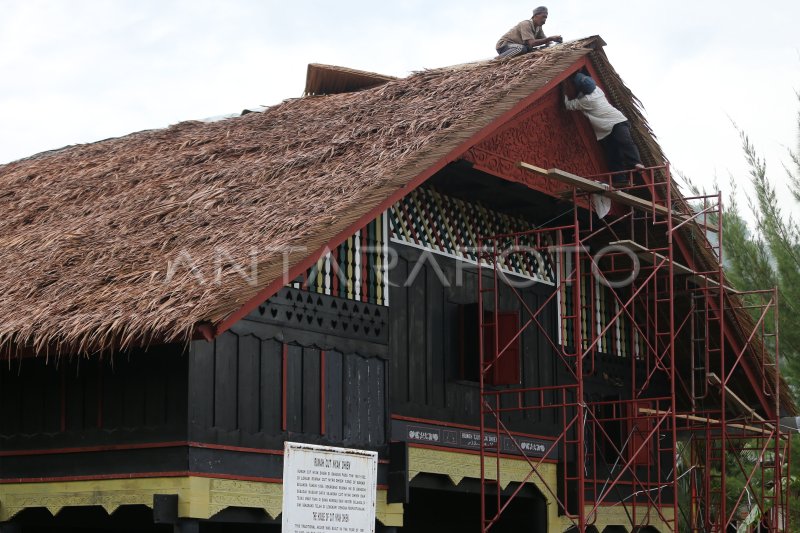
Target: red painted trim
<point x="139" y="475"/>
<point x="284" y="363"/>
<point x="478" y="452"/>
<point x="461" y="366"/>
<point x="322" y="392"/>
<point x="364" y="259"/>
<point x="465" y="426"/>
<point x="147" y="475"/>
<point x="206" y="331"/>
<point x="335" y="272"/>
<point x="486" y="132"/>
<point x="235" y="477"/>
<point x="233" y="448"/>
<point x="63" y="406"/>
<point x="145" y="446"/>
<point x="94" y="478"/>
<point x="90" y="449"/>
<point x="100" y="394"/>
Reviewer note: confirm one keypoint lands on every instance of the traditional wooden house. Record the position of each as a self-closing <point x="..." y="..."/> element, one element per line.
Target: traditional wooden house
<point x="411" y="266"/>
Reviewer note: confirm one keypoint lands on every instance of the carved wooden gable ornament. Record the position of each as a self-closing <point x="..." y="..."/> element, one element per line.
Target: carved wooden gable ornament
<point x="546" y="135"/>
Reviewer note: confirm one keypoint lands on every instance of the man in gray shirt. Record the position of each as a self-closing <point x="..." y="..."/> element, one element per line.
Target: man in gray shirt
<point x="526" y="36"/>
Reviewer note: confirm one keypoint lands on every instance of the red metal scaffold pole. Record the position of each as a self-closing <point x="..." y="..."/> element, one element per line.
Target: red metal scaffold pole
<point x="649" y="307"/>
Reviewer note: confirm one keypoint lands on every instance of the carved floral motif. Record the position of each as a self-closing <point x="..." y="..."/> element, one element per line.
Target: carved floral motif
<point x="545" y="135"/>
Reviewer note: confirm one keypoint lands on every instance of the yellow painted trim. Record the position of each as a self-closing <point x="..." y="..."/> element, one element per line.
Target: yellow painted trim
<point x="458" y="466"/>
<point x="616" y="516"/>
<point x="202" y="498"/>
<point x="198" y="497"/>
<point x="223" y="493"/>
<point x="108" y="493"/>
<point x="388" y="514"/>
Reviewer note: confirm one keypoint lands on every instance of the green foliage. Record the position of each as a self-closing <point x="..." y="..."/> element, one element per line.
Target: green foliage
<point x="762" y="251"/>
<point x="768" y="253"/>
<point x="792" y="485"/>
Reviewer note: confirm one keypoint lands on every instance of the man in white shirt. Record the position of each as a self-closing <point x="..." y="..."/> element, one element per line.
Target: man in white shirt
<point x="610" y="126"/>
<point x="526" y="36"/>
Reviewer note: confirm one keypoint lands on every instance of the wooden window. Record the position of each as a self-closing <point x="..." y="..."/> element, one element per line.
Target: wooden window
<point x="507" y="368"/>
<point x="641" y="426"/>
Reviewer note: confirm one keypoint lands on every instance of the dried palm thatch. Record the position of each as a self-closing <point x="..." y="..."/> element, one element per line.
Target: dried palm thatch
<point x="330" y="79"/>
<point x="118" y="243"/>
<point x="141" y="238"/>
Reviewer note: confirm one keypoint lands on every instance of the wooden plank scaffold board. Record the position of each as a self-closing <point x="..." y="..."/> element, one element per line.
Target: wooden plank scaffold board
<point x="701" y="280"/>
<point x="598" y="187"/>
<point x="710" y="421"/>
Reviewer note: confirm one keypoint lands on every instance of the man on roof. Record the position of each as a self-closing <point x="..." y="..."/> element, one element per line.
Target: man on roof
<point x="526" y="36"/>
<point x="609" y="124"/>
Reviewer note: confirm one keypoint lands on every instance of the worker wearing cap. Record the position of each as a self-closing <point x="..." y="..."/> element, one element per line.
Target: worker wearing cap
<point x="610" y="126"/>
<point x="526" y="36"/>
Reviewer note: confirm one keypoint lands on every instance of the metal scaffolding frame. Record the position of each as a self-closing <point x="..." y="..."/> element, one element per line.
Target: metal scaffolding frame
<point x="674" y="425"/>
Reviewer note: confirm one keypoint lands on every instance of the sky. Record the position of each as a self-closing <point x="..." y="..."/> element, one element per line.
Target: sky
<point x="79" y="71"/>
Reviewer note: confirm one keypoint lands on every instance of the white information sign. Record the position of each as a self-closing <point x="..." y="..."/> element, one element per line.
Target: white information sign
<point x="327" y="489"/>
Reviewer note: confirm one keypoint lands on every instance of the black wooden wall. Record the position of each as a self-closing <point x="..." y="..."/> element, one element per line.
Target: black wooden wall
<point x="120" y="415"/>
<point x="425" y="335"/>
<point x="294" y="369"/>
<point x="67" y="402"/>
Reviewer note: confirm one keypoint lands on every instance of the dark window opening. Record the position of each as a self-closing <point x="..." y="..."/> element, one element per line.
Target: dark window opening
<point x="610" y="441"/>
<point x="501" y="338"/>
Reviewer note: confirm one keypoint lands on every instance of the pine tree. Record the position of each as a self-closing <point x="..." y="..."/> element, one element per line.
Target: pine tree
<point x="765" y="255"/>
<point x="768" y="254"/>
<point x="761" y="254"/>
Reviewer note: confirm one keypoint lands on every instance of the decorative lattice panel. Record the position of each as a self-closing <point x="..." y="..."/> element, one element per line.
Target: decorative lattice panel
<point x="451" y="227"/>
<point x="356" y="269"/>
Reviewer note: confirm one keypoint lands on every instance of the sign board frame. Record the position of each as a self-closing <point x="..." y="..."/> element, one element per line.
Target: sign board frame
<point x="328" y="489"/>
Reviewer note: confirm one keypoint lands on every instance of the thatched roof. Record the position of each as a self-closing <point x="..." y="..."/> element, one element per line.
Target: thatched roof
<point x="143" y="238"/>
<point x="115" y="243"/>
<point x="330" y="79"/>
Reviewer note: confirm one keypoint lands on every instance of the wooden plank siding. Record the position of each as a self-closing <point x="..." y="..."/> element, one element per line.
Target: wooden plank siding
<point x="267" y="389"/>
<point x="426" y="380"/>
<point x="79" y="402"/>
